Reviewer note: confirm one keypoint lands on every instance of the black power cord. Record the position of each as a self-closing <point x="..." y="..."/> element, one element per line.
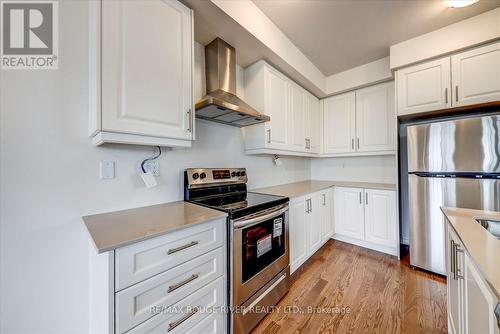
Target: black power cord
<point x="154" y="157"/>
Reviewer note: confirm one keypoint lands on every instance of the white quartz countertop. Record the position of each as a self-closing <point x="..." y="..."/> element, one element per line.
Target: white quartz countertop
<point x="117" y="229"/>
<point x="297" y="189"/>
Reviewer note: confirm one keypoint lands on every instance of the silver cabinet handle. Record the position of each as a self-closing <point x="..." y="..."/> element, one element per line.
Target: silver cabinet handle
<point x="178" y="249"/>
<point x="190" y="120"/>
<point x="324" y="199"/>
<point x="458" y="271"/>
<point x="358" y="143"/>
<point x="360" y="200"/>
<point x="182" y="283"/>
<point x="456" y="93"/>
<point x="352" y="143"/>
<point x="176" y="323"/>
<point x="366" y="198"/>
<point x="446" y="95"/>
<point x="307" y="206"/>
<point x="452" y="258"/>
<point x="269" y="136"/>
<point x="311" y="205"/>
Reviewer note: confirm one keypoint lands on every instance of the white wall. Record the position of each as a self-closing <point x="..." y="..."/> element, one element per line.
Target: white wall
<point x="473" y="31"/>
<point x="49" y="179"/>
<point x="381" y="169"/>
<point x="360" y="76"/>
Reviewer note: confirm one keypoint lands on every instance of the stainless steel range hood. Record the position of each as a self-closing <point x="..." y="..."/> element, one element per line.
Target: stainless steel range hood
<point x="221" y="103"/>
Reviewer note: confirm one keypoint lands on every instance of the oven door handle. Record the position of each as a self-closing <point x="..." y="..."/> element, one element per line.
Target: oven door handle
<point x="260" y="218"/>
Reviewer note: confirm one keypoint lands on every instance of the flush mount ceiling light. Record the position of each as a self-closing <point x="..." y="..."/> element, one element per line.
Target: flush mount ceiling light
<point x="460" y="3"/>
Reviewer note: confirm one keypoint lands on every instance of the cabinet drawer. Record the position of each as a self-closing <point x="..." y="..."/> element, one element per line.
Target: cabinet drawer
<point x="190" y="313"/>
<point x="140" y="261"/>
<point x="134" y="304"/>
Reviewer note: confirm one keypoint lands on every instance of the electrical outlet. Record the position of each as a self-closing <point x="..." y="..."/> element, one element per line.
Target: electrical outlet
<point x="152" y="167"/>
<point x="106" y="170"/>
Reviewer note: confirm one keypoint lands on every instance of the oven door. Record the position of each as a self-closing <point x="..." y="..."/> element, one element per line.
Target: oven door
<point x="260" y="251"/>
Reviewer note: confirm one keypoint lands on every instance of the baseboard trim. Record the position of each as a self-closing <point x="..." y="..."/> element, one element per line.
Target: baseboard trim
<point x="365" y="244"/>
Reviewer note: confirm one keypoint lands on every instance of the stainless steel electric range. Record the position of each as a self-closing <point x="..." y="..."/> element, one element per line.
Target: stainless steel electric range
<point x="258" y="252"/>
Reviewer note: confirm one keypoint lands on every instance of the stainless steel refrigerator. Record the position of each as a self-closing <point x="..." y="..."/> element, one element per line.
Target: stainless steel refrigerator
<point x="450" y="163"/>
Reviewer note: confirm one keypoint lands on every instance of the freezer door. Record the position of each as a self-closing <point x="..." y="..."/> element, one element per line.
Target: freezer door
<point x="465" y="145"/>
<point x="427" y="225"/>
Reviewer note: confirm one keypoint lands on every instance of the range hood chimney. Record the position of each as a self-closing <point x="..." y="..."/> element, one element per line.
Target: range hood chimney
<point x="221" y="103"/>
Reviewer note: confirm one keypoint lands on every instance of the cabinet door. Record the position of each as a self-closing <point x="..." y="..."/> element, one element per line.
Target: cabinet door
<point x="376" y="118"/>
<point x="339" y="123"/>
<point x="298" y="233"/>
<point x="326" y="214"/>
<point x="349" y="213"/>
<point x="313" y="131"/>
<point x="479" y="302"/>
<point x="297" y="122"/>
<point x="313" y="222"/>
<point x="380" y="217"/>
<point x="277" y="108"/>
<point x="476" y="75"/>
<point x="424" y="87"/>
<point x="454" y="284"/>
<point x="147" y="68"/>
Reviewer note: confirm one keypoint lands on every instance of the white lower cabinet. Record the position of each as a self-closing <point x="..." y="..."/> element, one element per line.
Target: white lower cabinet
<point x="310" y="225"/>
<point x="367" y="218"/>
<point x="349" y="214"/>
<point x="298" y="233"/>
<point x="174" y="283"/>
<point x="380" y="217"/>
<point x="471" y="303"/>
<point x="189" y="313"/>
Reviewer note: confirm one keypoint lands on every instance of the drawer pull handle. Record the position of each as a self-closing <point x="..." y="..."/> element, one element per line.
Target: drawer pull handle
<point x="181" y="284"/>
<point x="176" y="323"/>
<point x="178" y="249"/>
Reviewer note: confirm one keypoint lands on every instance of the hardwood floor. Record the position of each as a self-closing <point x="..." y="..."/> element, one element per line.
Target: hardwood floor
<point x="383" y="294"/>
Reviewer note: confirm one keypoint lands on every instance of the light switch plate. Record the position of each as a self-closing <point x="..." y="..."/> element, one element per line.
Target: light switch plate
<point x="107" y="170"/>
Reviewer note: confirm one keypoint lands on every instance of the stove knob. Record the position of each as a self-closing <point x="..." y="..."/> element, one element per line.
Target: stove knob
<point x="233" y="174"/>
<point x="243" y="173"/>
<point x="203" y="175"/>
<point x="238" y="174"/>
<point x="196" y="176"/>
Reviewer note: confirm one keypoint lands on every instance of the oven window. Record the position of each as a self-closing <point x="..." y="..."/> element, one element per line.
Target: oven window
<point x="262" y="245"/>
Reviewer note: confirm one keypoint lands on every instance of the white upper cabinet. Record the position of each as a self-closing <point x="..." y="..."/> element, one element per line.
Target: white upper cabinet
<point x="476" y="75"/>
<point x="360" y="122"/>
<point x="267" y="91"/>
<point x="466" y="78"/>
<point x="312" y="124"/>
<point x="424" y="87"/>
<point x="142" y="72"/>
<point x="339" y="123"/>
<point x="294" y="113"/>
<point x="297" y="123"/>
<point x="276" y="108"/>
<point x="376" y="122"/>
<point x="380" y="217"/>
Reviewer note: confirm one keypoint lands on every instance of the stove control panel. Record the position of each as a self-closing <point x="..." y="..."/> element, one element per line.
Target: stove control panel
<point x="204" y="177"/>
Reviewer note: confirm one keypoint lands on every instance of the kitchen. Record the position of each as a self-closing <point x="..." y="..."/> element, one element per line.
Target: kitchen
<point x="321" y="167"/>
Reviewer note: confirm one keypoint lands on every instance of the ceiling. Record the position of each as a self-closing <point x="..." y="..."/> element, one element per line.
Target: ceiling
<point x="337" y="35"/>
